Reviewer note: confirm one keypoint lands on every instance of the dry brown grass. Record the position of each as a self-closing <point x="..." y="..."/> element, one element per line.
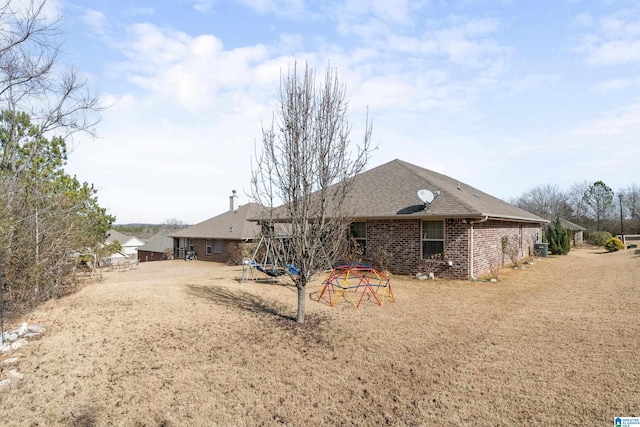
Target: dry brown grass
<point x="180" y="343"/>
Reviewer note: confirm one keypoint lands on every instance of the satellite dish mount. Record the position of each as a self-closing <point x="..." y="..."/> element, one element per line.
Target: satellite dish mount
<point x="427" y="197"/>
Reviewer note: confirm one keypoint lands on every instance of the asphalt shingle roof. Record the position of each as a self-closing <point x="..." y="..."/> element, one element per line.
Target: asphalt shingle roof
<point x="158" y="243"/>
<point x="113" y="235"/>
<point x="231" y="225"/>
<point x="390" y="191"/>
<point x="570" y="225"/>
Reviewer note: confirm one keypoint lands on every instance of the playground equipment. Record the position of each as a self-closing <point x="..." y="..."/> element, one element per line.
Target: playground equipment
<point x="265" y="260"/>
<point x="347" y="279"/>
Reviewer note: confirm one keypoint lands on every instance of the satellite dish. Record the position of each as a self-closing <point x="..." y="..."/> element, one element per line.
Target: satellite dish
<point x="426" y="196"/>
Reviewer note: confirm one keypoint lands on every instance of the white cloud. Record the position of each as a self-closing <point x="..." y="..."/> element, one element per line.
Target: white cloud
<point x="623" y="122"/>
<point x="139" y="11"/>
<point x="373" y="19"/>
<point x="190" y="70"/>
<point x="203" y="5"/>
<point x="288" y="8"/>
<point x="614" y="39"/>
<point x="96" y="21"/>
<point x="613" y="52"/>
<point x="618" y="84"/>
<point x="530" y="82"/>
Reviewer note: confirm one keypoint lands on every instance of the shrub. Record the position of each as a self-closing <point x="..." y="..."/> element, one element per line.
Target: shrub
<point x="511" y="248"/>
<point x="559" y="238"/>
<point x="614" y="245"/>
<point x="599" y="238"/>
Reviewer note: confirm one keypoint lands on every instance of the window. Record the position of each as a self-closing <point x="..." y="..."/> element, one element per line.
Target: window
<point x="217" y="246"/>
<point x="192" y="248"/>
<point x="358" y="241"/>
<point x="432" y="239"/>
<point x="208" y="246"/>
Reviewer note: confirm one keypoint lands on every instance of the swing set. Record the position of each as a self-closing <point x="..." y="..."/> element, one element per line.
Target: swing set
<point x="344" y="280"/>
<point x="265" y="260"/>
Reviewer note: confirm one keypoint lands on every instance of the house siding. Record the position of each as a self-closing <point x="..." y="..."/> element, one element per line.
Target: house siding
<point x="200" y="248"/>
<point x="401" y="240"/>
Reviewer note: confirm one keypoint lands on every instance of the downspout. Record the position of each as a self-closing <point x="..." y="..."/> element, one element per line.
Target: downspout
<point x="471" y="247"/>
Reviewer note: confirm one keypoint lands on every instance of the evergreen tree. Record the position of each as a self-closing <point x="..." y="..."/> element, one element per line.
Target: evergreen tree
<point x="559" y="238"/>
<point x="46" y="215"/>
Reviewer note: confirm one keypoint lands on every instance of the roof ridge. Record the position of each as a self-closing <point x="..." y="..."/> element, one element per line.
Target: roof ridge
<point x="411" y="167"/>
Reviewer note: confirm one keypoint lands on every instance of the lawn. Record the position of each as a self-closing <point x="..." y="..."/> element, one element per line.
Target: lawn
<point x="183" y="343"/>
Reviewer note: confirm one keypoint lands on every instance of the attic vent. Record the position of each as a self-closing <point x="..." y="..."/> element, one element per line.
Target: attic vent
<point x="459" y="187"/>
<point x="476" y="195"/>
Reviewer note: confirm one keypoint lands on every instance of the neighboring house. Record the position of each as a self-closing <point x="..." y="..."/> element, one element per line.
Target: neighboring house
<point x="577" y="232"/>
<point x="130" y="244"/>
<point x="215" y="238"/>
<point x="458" y="235"/>
<point x="158" y="248"/>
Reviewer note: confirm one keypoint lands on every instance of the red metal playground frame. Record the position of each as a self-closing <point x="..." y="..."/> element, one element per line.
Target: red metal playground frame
<point x="347" y="279"/>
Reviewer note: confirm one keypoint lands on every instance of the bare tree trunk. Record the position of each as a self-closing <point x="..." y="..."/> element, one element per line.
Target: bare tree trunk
<point x="301" y="302"/>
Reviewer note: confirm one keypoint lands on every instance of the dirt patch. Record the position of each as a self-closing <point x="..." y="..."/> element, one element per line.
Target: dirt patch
<point x="184" y="343"/>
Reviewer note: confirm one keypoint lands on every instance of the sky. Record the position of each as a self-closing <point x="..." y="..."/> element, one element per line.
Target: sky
<point x="503" y="95"/>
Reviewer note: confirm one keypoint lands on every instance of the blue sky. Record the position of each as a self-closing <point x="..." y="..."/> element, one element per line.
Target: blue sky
<point x="503" y="95"/>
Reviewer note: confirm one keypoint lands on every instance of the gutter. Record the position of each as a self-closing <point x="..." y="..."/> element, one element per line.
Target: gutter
<point x="475" y="279"/>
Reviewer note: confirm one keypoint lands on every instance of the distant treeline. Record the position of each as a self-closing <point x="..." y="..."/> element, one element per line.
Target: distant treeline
<point x="146" y="231"/>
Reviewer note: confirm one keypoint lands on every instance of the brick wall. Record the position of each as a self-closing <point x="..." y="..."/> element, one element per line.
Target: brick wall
<point x="401" y="240"/>
<point x="146" y="256"/>
<point x="200" y="248"/>
<point x="487" y="243"/>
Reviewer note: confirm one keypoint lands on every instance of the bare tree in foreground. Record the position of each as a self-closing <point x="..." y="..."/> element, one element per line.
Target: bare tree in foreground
<point x="307" y="164"/>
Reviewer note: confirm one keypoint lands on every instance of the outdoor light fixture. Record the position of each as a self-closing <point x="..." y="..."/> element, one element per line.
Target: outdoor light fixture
<point x="621" y="222"/>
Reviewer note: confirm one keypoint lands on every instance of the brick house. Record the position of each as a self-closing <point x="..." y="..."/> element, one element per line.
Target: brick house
<point x="158" y="248"/>
<point x="458" y="235"/>
<point x="577" y="232"/>
<point x="216" y="238"/>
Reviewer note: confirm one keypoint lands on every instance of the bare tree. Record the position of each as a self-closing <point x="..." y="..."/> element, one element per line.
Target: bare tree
<point x="547" y="201"/>
<point x="577" y="203"/>
<point x="172" y="224"/>
<point x="57" y="100"/>
<point x="631" y="203"/>
<point x="307" y="163"/>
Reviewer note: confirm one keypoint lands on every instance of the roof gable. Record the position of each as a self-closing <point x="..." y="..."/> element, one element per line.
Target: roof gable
<point x="132" y="242"/>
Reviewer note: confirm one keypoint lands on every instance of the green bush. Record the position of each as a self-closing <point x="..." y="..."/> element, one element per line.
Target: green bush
<point x="599" y="238"/>
<point x="559" y="238"/>
<point x="613" y="245"/>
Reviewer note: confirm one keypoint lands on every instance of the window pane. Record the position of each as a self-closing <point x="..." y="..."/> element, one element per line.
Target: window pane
<point x="359" y="230"/>
<point x="432" y="249"/>
<point x="432" y="230"/>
